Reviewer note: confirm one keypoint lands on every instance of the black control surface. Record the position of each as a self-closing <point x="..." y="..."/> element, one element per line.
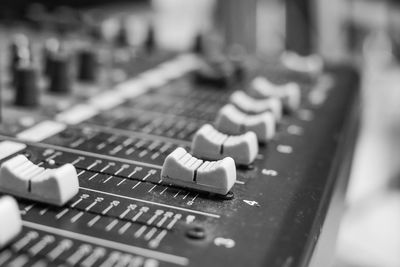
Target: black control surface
<point x="124" y="215"/>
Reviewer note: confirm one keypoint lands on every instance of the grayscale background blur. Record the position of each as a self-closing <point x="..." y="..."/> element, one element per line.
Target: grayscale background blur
<point x="365" y="33"/>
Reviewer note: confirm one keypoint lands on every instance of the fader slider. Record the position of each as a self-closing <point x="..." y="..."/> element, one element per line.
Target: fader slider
<point x="289" y="93"/>
<point x="232" y="121"/>
<point x="252" y="105"/>
<point x="209" y="143"/>
<point x="182" y="169"/>
<point x="311" y="64"/>
<point x="10" y="220"/>
<point x="22" y="178"/>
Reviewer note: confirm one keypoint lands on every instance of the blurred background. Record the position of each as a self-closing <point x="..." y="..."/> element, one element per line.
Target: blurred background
<point x="365" y="33"/>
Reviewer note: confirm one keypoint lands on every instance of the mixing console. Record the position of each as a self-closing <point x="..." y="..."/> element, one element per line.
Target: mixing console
<point x="151" y="158"/>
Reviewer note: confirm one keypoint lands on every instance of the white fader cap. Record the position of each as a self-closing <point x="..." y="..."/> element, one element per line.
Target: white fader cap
<point x="22" y="178"/>
<point x="232" y="121"/>
<point x="252" y="105"/>
<point x="10" y="220"/>
<point x="311" y="64"/>
<point x="209" y="143"/>
<point x="182" y="169"/>
<point x="289" y="93"/>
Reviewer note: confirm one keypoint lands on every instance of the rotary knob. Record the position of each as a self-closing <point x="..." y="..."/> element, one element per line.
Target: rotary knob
<point x="60" y="75"/>
<point x="87" y="65"/>
<point x="20" y="50"/>
<point x="52" y="47"/>
<point x="150" y="44"/>
<point x="27" y="85"/>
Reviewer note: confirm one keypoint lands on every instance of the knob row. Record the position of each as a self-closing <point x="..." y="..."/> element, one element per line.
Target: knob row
<point x="58" y="69"/>
<point x="240" y="126"/>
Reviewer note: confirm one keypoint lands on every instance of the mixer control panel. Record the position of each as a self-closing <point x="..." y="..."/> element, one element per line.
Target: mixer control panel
<point x="114" y="155"/>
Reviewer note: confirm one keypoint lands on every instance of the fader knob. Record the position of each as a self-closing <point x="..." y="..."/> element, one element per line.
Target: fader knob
<point x="311" y="64"/>
<point x="27" y="88"/>
<point x="10" y="220"/>
<point x="182" y="169"/>
<point x="87" y="65"/>
<point x="252" y="105"/>
<point x="209" y="143"/>
<point x="232" y="121"/>
<point x="289" y="93"/>
<point x="60" y="75"/>
<point x="22" y="178"/>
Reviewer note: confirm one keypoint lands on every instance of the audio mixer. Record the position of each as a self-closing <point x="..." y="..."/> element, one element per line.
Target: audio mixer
<point x="122" y="156"/>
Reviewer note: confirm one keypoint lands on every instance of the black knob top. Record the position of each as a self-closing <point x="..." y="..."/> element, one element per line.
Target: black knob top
<point x="150" y="40"/>
<point x="87" y="65"/>
<point x="60" y="74"/>
<point x="198" y="44"/>
<point x="51" y="47"/>
<point x="20" y="50"/>
<point x="122" y="38"/>
<point x="26" y="85"/>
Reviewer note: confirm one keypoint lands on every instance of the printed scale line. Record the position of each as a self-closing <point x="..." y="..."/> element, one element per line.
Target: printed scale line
<point x="110" y="244"/>
<point x="81" y="152"/>
<point x="155" y="203"/>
